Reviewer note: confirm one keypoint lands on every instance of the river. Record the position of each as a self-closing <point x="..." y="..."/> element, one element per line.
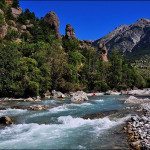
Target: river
<point x="63" y="127"/>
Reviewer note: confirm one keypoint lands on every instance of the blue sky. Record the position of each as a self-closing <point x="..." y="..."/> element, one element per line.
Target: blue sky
<point x="91" y="19"/>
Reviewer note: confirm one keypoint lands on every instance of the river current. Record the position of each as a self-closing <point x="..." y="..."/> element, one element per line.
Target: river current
<point x="62" y="126"/>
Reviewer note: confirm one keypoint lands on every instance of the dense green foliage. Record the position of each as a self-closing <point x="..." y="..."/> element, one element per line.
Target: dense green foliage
<point x="15" y="3"/>
<point x="40" y="62"/>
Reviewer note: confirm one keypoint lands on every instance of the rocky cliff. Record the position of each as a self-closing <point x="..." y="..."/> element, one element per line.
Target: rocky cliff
<point x="69" y="32"/>
<point x="53" y="21"/>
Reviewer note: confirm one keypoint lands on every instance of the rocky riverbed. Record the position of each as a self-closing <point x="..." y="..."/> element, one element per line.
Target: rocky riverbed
<point x="138" y="128"/>
<point x="95" y="123"/>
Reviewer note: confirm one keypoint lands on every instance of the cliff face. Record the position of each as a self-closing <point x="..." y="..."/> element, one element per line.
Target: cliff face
<point x="69" y="32"/>
<point x="52" y="19"/>
<point x="128" y="38"/>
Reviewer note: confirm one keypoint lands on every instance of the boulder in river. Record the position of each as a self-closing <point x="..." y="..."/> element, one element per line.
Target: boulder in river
<point x="57" y="94"/>
<point x="38" y="107"/>
<point x="79" y="96"/>
<point x="112" y="93"/>
<point x="5" y="120"/>
<point x="37" y="99"/>
<point x="47" y="94"/>
<point x="30" y="99"/>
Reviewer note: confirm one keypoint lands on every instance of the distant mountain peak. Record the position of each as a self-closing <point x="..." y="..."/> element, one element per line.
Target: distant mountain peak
<point x="143" y="20"/>
<point x="128" y="38"/>
<point x="121" y="27"/>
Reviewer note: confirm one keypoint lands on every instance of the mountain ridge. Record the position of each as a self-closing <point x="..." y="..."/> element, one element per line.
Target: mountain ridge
<point x="128" y="38"/>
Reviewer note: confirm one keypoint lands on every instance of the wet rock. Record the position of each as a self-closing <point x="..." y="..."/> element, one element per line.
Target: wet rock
<point x="57" y="94"/>
<point x="125" y="129"/>
<point x="47" y="94"/>
<point x="37" y="99"/>
<point x="136" y="144"/>
<point x="79" y="96"/>
<point x="38" y="107"/>
<point x="100" y="115"/>
<point x="30" y="99"/>
<point x="18" y="107"/>
<point x="6" y="120"/>
<point x="134" y="118"/>
<point x="144" y="118"/>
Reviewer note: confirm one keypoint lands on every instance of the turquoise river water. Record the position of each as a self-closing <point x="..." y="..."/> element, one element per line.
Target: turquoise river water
<point x="62" y="126"/>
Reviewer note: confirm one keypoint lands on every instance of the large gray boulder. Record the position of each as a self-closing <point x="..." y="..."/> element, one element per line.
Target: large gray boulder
<point x="79" y="96"/>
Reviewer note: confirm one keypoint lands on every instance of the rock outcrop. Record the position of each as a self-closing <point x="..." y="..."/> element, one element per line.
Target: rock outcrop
<point x="16" y="12"/>
<point x="85" y="44"/>
<point x="79" y="96"/>
<point x="53" y="21"/>
<point x="69" y="32"/>
<point x="104" y="52"/>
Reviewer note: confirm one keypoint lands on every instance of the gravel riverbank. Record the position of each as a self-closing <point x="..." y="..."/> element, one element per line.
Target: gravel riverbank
<point x="138" y="128"/>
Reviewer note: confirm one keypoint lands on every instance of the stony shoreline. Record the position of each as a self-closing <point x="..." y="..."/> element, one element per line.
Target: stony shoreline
<point x="138" y="128"/>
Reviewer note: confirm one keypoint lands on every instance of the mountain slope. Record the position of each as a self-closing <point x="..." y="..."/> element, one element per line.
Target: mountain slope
<point x="132" y="40"/>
